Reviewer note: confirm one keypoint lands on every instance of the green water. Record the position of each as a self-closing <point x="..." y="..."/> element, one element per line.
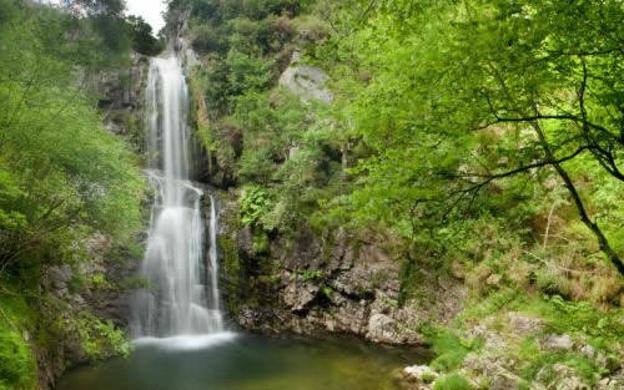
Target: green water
<point x="246" y="362"/>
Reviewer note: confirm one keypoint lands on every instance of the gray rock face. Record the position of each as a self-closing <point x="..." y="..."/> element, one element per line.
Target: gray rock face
<point x="335" y="285"/>
<point x="307" y="82"/>
<point x="505" y="380"/>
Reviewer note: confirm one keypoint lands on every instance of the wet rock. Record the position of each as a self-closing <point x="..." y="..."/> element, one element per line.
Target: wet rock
<point x="356" y="291"/>
<point x="419" y="374"/>
<point x="245" y="241"/>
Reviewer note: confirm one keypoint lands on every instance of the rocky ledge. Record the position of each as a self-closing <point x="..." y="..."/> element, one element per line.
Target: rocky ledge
<point x="339" y="285"/>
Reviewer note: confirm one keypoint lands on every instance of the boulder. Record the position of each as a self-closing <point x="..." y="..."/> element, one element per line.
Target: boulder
<point x="307" y="82"/>
<point x="558" y="342"/>
<point x="613" y="382"/>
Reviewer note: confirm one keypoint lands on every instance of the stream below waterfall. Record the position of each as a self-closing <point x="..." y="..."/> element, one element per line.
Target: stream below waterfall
<point x="241" y="362"/>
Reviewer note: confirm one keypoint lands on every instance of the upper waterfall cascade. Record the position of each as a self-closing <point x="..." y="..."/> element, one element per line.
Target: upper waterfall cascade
<point x="182" y="295"/>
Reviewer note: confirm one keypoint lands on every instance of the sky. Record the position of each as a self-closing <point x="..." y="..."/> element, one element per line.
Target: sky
<point x="150" y="10"/>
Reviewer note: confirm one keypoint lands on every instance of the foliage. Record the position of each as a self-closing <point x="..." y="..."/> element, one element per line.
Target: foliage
<point x="254" y="204"/>
<point x="62" y="175"/>
<point x="143" y="40"/>
<point x="100" y="339"/>
<point x="534" y="360"/>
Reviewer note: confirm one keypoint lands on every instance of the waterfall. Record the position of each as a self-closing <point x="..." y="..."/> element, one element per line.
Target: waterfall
<point x="182" y="295"/>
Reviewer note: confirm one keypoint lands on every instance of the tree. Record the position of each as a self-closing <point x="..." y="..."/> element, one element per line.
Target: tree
<point x="62" y="176"/>
<point x="460" y="87"/>
<point x="143" y="40"/>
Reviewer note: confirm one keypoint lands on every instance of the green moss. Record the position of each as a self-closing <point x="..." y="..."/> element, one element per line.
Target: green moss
<point x="232" y="270"/>
<point x="310" y="275"/>
<point x="260" y="242"/>
<point x="327" y="291"/>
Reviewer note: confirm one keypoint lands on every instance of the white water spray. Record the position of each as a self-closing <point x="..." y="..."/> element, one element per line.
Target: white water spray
<point x="182" y="293"/>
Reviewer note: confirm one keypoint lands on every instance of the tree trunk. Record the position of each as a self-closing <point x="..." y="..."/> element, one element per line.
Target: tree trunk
<point x="569" y="184"/>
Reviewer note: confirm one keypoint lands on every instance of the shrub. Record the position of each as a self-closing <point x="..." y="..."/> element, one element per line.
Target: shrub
<point x="255" y="203"/>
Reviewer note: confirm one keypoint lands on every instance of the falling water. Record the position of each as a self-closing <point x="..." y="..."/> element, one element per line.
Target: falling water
<point x="182" y="295"/>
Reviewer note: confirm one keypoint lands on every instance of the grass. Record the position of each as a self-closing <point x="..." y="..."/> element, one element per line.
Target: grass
<point x="449" y="349"/>
<point x="534" y="360"/>
<point x="452" y="382"/>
